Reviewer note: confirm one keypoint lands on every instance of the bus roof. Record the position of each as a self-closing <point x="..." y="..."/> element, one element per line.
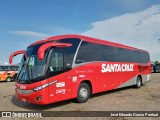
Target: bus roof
<point x="86" y="38"/>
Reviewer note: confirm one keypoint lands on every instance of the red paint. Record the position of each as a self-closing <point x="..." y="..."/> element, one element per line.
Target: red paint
<point x="42" y="49"/>
<point x="16" y="53"/>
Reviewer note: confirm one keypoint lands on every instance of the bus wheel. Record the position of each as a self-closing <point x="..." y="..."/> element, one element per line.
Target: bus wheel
<point x="138" y="82"/>
<point x="8" y="79"/>
<point x="83" y="93"/>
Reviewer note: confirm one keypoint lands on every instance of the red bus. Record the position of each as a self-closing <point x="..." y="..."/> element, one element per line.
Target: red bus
<point x="75" y="66"/>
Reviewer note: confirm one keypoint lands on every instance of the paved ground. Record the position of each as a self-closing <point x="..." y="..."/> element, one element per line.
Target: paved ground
<point x="147" y="98"/>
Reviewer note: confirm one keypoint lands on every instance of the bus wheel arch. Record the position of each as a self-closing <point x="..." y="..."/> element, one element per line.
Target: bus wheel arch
<point x="84" y="91"/>
<point x="138" y="81"/>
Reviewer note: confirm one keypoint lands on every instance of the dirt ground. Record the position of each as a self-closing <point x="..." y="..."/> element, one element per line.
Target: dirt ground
<point x="147" y="98"/>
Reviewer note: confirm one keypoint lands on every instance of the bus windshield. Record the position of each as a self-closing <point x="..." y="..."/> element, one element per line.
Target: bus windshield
<point x="31" y="68"/>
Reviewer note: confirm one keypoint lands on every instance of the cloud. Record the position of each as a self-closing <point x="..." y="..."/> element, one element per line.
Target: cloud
<point x="30" y="34"/>
<point x="140" y="29"/>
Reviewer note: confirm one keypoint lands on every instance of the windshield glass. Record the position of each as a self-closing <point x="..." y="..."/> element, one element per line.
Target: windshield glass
<point x="31" y="69"/>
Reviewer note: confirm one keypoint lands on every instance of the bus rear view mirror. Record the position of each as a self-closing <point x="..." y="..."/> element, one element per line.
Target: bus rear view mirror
<point x="16" y="53"/>
<point x="43" y="48"/>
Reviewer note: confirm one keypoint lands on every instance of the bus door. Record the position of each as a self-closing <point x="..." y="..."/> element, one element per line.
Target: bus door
<point x="56" y="72"/>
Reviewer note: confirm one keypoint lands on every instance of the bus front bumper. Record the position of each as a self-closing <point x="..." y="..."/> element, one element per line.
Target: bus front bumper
<point x="38" y="97"/>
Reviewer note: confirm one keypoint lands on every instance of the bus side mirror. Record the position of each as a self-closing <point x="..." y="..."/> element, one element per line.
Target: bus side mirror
<point x="16" y="53"/>
<point x="43" y="48"/>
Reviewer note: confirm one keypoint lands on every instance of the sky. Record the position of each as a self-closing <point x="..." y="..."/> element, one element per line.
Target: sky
<point x="131" y="22"/>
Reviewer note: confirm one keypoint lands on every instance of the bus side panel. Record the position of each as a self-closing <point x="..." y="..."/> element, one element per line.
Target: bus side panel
<point x="103" y="81"/>
<point x="61" y="90"/>
<point x="146" y="72"/>
<point x="92" y="72"/>
<point x="82" y="74"/>
<point x="130" y="77"/>
<point x="129" y="82"/>
<point x="114" y="79"/>
<point x="143" y="70"/>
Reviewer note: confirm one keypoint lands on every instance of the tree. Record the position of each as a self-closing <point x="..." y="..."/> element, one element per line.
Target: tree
<point x="157" y="62"/>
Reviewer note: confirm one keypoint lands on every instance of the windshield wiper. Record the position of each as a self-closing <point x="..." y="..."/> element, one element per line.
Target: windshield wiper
<point x="21" y="71"/>
<point x="28" y="70"/>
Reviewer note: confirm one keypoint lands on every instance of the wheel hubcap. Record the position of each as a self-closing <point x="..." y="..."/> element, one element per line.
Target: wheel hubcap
<point x="139" y="83"/>
<point x="8" y="79"/>
<point x="83" y="93"/>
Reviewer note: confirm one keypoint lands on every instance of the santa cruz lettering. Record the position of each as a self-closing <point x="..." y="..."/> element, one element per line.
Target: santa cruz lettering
<point x="117" y="68"/>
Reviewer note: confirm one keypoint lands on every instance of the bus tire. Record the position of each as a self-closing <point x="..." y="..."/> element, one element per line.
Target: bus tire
<point x="138" y="82"/>
<point x="8" y="79"/>
<point x="83" y="93"/>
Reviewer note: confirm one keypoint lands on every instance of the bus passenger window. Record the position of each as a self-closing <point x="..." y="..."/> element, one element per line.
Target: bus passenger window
<point x="6" y="68"/>
<point x="56" y="63"/>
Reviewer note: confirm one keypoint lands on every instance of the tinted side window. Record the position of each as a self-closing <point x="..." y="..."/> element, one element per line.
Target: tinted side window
<point x="143" y="57"/>
<point x="14" y="68"/>
<point x="32" y="50"/>
<point x="109" y="53"/>
<point x="1" y="68"/>
<point x="56" y="65"/>
<point x="9" y="68"/>
<point x="96" y="52"/>
<point x="5" y="68"/>
<point x="89" y="52"/>
<point x="124" y="55"/>
<point x="69" y="52"/>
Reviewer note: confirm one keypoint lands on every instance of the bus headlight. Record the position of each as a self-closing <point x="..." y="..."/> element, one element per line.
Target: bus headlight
<point x="44" y="86"/>
<point x="40" y="87"/>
